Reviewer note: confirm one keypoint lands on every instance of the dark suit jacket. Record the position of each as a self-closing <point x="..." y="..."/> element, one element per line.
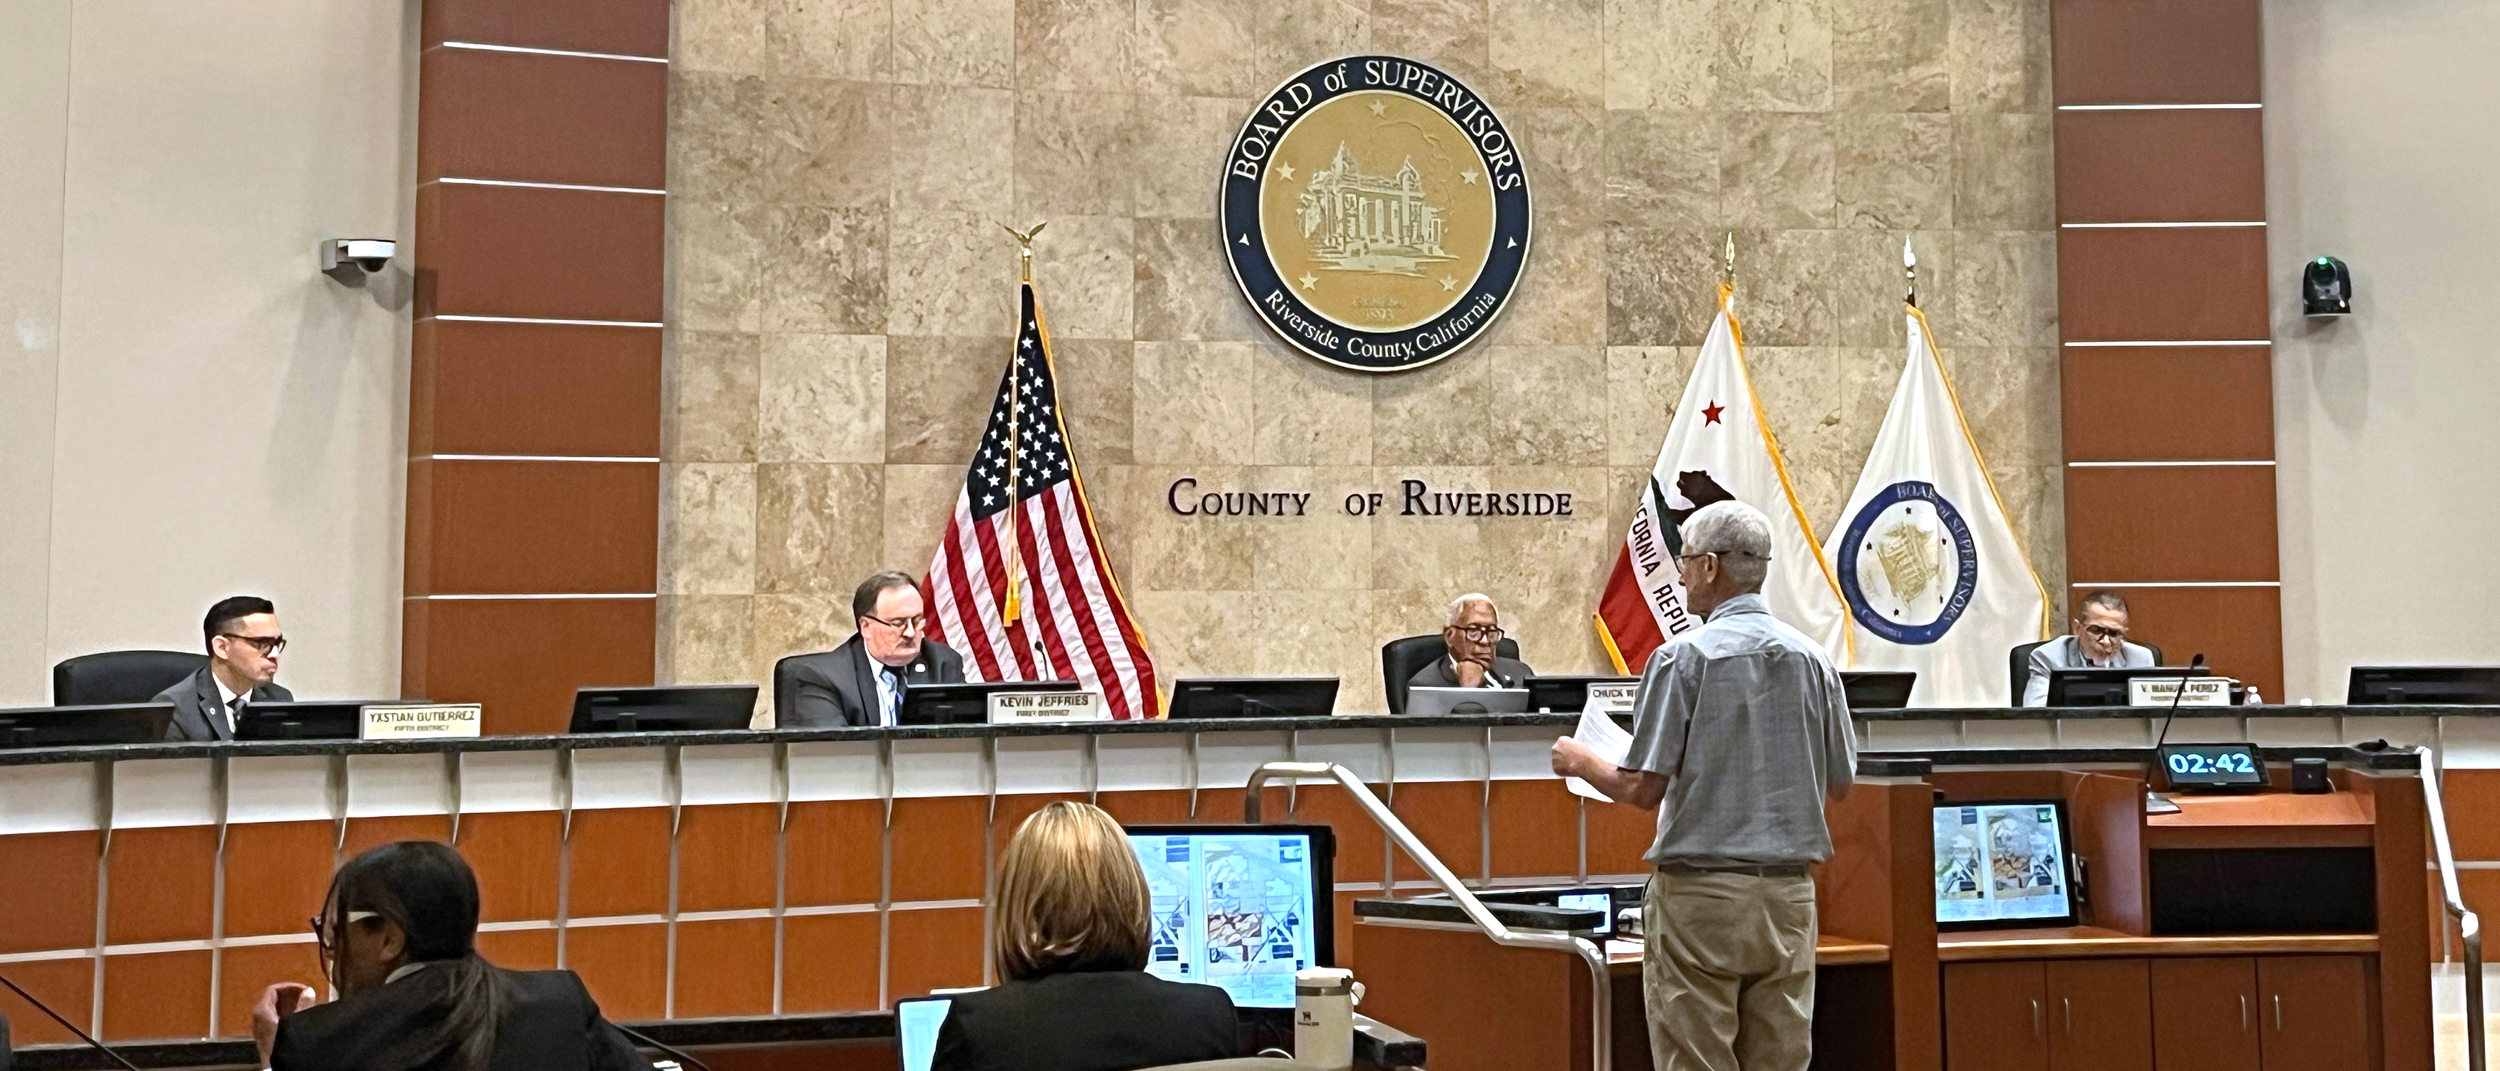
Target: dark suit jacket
<point x="1087" y="1021"/>
<point x="1513" y="672"/>
<point x="549" y="1024"/>
<point x="196" y="696"/>
<point x="831" y="689"/>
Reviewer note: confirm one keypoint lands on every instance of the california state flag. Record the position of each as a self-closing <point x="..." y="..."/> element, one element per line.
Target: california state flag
<point x="1718" y="447"/>
<point x="1935" y="579"/>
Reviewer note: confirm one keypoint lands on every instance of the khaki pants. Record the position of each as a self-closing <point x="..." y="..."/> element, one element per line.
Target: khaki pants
<point x="1728" y="973"/>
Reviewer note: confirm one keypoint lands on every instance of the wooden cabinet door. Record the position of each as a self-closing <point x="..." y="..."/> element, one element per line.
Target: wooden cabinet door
<point x="2205" y="1014"/>
<point x="1996" y="1017"/>
<point x="2314" y="1013"/>
<point x="2100" y="1015"/>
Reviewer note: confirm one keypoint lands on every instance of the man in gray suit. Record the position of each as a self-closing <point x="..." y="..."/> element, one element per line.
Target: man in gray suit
<point x="2099" y="641"/>
<point x="862" y="681"/>
<point x="243" y="645"/>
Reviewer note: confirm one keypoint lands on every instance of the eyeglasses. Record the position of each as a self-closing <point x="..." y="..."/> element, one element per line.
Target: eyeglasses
<point x="2105" y="632"/>
<point x="913" y="623"/>
<point x="268" y="645"/>
<point x="329" y="940"/>
<point x="1480" y="633"/>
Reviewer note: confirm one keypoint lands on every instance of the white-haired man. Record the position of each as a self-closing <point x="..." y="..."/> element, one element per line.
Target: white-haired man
<point x="1473" y="633"/>
<point x="1742" y="730"/>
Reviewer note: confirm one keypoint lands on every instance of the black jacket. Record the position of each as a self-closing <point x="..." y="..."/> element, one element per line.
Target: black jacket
<point x="831" y="689"/>
<point x="1087" y="1021"/>
<point x="196" y="695"/>
<point x="549" y="1024"/>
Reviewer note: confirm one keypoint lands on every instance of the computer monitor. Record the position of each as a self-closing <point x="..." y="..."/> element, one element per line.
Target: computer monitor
<point x="916" y="1023"/>
<point x="1239" y="907"/>
<point x="1427" y="701"/>
<point x="2431" y="685"/>
<point x="1566" y="695"/>
<point x="1878" y="689"/>
<point x="2104" y="687"/>
<point x="113" y="723"/>
<point x="1254" y="697"/>
<point x="333" y="720"/>
<point x="672" y="709"/>
<point x="962" y="704"/>
<point x="2002" y="863"/>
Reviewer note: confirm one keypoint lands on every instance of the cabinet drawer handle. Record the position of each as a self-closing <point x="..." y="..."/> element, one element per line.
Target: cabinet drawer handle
<point x="2035" y="1018"/>
<point x="2244" y="1013"/>
<point x="2069" y="1002"/>
<point x="2278" y="1013"/>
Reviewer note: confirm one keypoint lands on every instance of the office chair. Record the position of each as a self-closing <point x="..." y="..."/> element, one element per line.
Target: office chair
<point x="1401" y="659"/>
<point x="120" y="676"/>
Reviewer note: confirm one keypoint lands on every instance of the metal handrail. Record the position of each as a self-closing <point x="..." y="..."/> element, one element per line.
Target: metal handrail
<point x="1601" y="984"/>
<point x="2469" y="927"/>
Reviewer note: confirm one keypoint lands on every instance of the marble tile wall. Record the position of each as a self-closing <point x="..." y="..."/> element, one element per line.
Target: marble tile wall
<point x="841" y="295"/>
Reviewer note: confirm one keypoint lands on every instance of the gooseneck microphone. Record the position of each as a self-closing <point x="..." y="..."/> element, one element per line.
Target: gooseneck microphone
<point x="2154" y="802"/>
<point x="66" y="1024"/>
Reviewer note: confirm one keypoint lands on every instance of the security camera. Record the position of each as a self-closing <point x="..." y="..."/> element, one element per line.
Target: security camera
<point x="349" y="260"/>
<point x="2326" y="288"/>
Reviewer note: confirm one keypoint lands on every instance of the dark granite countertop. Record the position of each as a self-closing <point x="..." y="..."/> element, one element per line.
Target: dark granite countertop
<point x="1374" y="1042"/>
<point x="1343" y="722"/>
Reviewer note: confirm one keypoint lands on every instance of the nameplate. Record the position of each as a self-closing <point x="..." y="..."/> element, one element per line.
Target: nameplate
<point x="1010" y="708"/>
<point x="2161" y="691"/>
<point x="1613" y="698"/>
<point x="433" y="721"/>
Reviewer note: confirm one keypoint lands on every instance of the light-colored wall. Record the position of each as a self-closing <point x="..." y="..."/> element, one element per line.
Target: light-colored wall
<point x="2380" y="150"/>
<point x="841" y="295"/>
<point x="188" y="408"/>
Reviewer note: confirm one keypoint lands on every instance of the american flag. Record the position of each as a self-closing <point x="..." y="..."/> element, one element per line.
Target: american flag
<point x="1025" y="593"/>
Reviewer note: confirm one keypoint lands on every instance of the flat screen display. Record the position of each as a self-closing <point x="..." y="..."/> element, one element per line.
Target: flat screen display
<point x="1591" y="901"/>
<point x="1240" y="907"/>
<point x="2002" y="864"/>
<point x="2213" y="765"/>
<point x="916" y="1023"/>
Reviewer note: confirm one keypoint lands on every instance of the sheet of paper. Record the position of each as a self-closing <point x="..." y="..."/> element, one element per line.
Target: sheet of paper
<point x="1604" y="737"/>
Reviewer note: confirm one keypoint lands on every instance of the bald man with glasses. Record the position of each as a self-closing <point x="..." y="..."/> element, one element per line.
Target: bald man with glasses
<point x="244" y="642"/>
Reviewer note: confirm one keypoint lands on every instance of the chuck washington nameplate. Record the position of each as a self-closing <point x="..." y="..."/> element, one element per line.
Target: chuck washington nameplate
<point x="1376" y="213"/>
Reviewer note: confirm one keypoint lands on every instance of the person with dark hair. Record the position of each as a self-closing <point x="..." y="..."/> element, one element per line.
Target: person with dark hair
<point x="243" y="646"/>
<point x="1069" y="936"/>
<point x="398" y="935"/>
<point x="2099" y="641"/>
<point x="861" y="682"/>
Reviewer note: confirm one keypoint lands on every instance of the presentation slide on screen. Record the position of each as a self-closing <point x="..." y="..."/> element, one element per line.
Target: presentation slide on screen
<point x="1231" y="910"/>
<point x="2000" y="861"/>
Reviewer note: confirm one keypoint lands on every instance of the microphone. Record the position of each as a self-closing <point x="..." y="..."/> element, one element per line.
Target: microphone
<point x="2154" y="802"/>
<point x="56" y="1017"/>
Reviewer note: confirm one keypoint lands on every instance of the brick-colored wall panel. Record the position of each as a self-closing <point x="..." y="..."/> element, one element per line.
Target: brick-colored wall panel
<point x="157" y="996"/>
<point x="626" y="968"/>
<point x="542" y="253"/>
<point x="616" y="27"/>
<point x="2156" y="51"/>
<point x="524" y="658"/>
<point x="936" y="948"/>
<point x="724" y="968"/>
<point x="835" y="852"/>
<point x="829" y="963"/>
<point x="725" y="856"/>
<point x="48" y="881"/>
<point x="534" y="528"/>
<point x="536" y="118"/>
<point x="619" y="862"/>
<point x="564" y="390"/>
<point x="161" y="885"/>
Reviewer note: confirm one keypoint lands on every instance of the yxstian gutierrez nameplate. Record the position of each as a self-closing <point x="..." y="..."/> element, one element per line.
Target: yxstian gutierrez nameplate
<point x="1376" y="213"/>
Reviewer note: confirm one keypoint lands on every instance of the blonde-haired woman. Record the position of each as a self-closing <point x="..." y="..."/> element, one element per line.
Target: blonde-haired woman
<point x="1068" y="937"/>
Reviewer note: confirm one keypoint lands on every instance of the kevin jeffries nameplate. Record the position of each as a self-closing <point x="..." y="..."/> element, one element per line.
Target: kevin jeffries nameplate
<point x="1376" y="213"/>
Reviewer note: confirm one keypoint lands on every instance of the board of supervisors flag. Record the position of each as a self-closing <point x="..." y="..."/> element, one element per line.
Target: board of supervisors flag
<point x="1935" y="580"/>
<point x="1718" y="447"/>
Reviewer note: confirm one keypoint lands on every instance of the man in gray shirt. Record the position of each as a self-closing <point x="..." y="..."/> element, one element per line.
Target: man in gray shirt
<point x="2098" y="642"/>
<point x="1741" y="730"/>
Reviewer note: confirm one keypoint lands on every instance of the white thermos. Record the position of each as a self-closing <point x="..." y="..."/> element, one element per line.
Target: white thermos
<point x="1323" y="1017"/>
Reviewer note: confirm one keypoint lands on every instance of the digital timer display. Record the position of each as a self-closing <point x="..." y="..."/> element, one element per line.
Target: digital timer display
<point x="2213" y="765"/>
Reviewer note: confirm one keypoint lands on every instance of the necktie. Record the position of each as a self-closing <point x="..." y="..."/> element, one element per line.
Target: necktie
<point x="889" y="697"/>
<point x="234" y="717"/>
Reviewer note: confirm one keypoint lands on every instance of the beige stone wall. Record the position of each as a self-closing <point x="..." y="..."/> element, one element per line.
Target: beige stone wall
<point x="842" y="295"/>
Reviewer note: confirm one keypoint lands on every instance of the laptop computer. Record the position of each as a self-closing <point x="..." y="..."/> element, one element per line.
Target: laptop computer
<point x="1429" y="701"/>
<point x="916" y="1023"/>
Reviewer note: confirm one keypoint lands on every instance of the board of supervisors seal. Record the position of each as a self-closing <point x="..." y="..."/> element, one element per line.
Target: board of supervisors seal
<point x="1375" y="211"/>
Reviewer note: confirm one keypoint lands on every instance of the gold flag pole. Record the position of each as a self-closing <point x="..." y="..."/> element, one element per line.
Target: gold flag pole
<point x="1015" y="416"/>
<point x="1727" y="268"/>
<point x="1909" y="273"/>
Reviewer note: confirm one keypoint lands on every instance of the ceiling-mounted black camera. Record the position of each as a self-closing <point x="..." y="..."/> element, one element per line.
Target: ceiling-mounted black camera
<point x="2326" y="288"/>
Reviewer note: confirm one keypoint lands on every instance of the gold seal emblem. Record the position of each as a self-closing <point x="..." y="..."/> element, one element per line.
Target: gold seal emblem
<point x="1376" y="213"/>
